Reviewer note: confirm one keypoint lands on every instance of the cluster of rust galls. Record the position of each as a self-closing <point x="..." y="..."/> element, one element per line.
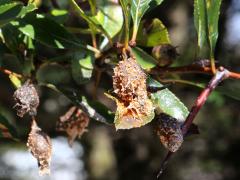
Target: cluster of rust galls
<point x="134" y="109"/>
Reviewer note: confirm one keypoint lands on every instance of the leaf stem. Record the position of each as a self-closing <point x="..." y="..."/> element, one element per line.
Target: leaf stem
<point x="213" y="66"/>
<point x="8" y="72"/>
<point x="189" y="69"/>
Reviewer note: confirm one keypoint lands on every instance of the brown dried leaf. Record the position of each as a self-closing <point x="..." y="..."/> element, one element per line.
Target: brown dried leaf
<point x="74" y="123"/>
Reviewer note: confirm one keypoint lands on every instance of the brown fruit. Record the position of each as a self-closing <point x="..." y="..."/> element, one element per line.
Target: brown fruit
<point x="27" y="99"/>
<point x="74" y="123"/>
<point x="169" y="132"/>
<point x="39" y="143"/>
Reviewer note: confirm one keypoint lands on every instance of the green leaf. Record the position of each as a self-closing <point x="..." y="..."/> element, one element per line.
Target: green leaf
<point x="138" y="9"/>
<point x="166" y="102"/>
<point x="92" y="20"/>
<point x="153" y="35"/>
<point x="82" y="67"/>
<point x="145" y="60"/>
<point x="53" y="74"/>
<point x="200" y="21"/>
<point x="10" y="10"/>
<point x="154" y="3"/>
<point x="213" y="9"/>
<point x="110" y="16"/>
<point x="6" y="129"/>
<point x="55" y="35"/>
<point x="59" y="15"/>
<point x="126" y="5"/>
<point x="11" y="38"/>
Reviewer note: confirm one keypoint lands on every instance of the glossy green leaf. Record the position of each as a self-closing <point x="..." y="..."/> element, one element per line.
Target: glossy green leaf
<point x="153" y="35"/>
<point x="213" y="9"/>
<point x="55" y="35"/>
<point x="10" y="10"/>
<point x="92" y="20"/>
<point x="82" y="67"/>
<point x="53" y="74"/>
<point x="126" y="5"/>
<point x="154" y="3"/>
<point x="165" y="101"/>
<point x="110" y="16"/>
<point x="6" y="129"/>
<point x="138" y="9"/>
<point x="145" y="60"/>
<point x="200" y="21"/>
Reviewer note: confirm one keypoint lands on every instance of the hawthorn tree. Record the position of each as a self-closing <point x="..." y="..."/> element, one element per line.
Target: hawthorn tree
<point x="91" y="39"/>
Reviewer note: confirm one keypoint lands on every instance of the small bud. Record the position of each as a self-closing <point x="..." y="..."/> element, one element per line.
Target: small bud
<point x="39" y="144"/>
<point x="165" y="54"/>
<point x="74" y="123"/>
<point x="169" y="132"/>
<point x="27" y="99"/>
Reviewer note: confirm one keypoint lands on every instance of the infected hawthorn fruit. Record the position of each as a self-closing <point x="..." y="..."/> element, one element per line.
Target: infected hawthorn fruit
<point x="134" y="108"/>
<point x="27" y="99"/>
<point x="39" y="144"/>
<point x="74" y="123"/>
<point x="169" y="131"/>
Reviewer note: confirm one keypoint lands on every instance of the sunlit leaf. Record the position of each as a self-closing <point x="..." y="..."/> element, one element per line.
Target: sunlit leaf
<point x="92" y="20"/>
<point x="138" y="9"/>
<point x="200" y="21"/>
<point x="154" y="3"/>
<point x="110" y="16"/>
<point x="82" y="67"/>
<point x="213" y="10"/>
<point x="10" y="10"/>
<point x="55" y="35"/>
<point x="59" y="15"/>
<point x="126" y="5"/>
<point x="166" y="102"/>
<point x="152" y="34"/>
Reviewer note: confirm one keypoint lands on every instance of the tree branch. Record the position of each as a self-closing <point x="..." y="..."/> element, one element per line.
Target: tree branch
<point x="189" y="69"/>
<point x="220" y="75"/>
